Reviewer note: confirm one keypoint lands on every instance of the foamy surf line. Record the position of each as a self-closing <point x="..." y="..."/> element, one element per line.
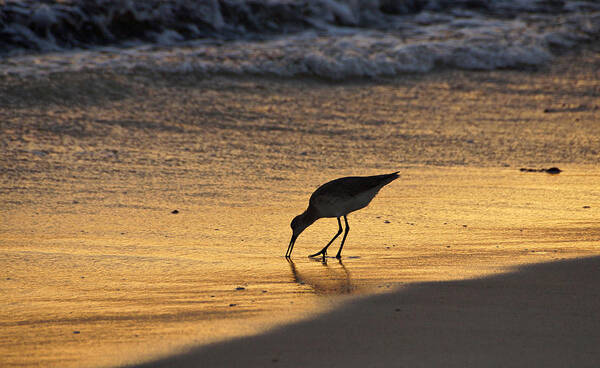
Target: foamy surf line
<point x="324" y="38"/>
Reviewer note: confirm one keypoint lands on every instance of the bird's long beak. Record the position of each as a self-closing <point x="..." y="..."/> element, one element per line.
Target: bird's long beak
<point x="291" y="246"/>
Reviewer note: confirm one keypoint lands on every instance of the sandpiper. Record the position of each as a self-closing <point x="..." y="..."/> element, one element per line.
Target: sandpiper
<point x="338" y="198"/>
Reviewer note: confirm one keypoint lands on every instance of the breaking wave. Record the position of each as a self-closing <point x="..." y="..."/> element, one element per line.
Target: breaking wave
<point x="324" y="38"/>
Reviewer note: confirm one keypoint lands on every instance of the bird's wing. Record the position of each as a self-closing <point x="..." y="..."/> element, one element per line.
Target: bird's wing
<point x="351" y="186"/>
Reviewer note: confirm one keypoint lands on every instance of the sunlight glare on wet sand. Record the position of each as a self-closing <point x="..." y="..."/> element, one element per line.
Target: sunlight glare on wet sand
<point x="209" y="273"/>
<point x="97" y="270"/>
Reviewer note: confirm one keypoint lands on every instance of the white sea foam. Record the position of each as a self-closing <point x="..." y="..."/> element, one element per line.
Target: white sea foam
<point x="346" y="40"/>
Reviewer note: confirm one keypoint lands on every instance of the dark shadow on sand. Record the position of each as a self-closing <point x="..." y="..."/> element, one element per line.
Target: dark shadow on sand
<point x="544" y="315"/>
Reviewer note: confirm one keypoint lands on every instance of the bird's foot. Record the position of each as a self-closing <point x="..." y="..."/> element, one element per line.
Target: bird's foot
<point x="322" y="252"/>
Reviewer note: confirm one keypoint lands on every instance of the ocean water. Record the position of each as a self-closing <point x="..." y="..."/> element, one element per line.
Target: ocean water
<point x="320" y="38"/>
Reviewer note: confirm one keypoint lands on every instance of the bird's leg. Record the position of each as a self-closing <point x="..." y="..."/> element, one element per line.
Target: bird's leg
<point x="324" y="250"/>
<point x="339" y="253"/>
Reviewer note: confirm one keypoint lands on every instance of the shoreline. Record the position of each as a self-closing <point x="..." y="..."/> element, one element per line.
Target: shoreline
<point x="93" y="166"/>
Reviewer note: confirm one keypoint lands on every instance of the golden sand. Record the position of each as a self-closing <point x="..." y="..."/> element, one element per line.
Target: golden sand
<point x="98" y="271"/>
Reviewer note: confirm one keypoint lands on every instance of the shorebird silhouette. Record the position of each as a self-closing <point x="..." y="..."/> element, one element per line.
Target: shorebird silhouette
<point x="338" y="198"/>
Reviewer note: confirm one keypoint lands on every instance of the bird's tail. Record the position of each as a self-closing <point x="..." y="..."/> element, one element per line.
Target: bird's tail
<point x="393" y="176"/>
<point x="385" y="179"/>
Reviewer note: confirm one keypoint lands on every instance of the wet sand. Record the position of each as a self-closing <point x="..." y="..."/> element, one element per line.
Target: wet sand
<point x="97" y="271"/>
<point x="541" y="315"/>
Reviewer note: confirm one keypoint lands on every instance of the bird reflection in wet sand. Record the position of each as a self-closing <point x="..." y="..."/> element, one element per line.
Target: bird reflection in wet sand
<point x="338" y="198"/>
<point x="324" y="280"/>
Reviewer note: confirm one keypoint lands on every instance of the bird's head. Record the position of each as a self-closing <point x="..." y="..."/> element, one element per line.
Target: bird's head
<point x="299" y="223"/>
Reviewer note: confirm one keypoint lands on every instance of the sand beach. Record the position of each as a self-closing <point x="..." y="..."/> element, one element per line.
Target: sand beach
<point x="144" y="217"/>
